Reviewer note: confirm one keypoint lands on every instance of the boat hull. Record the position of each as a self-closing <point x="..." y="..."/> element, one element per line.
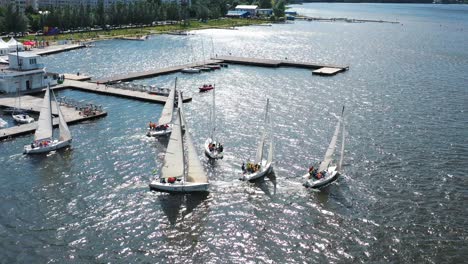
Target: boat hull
<point x="266" y="169"/>
<point x="212" y="154"/>
<point x="179" y="187"/>
<point x="159" y="133"/>
<point x="331" y="176"/>
<point x="205" y="89"/>
<point x="23" y="119"/>
<point x="51" y="147"/>
<point x="191" y="70"/>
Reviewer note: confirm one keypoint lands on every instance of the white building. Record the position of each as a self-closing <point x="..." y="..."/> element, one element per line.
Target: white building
<point x="251" y="9"/>
<point x="24" y="72"/>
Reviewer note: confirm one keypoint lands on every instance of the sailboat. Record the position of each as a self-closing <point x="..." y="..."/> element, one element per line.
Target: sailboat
<point x="327" y="173"/>
<point x="174" y="177"/>
<point x="43" y="141"/>
<point x="191" y="69"/>
<point x="18" y="114"/>
<point x="213" y="149"/>
<point x="164" y="127"/>
<point x="260" y="167"/>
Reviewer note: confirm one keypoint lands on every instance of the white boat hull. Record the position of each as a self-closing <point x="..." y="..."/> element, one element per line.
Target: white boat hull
<point x="3" y="123"/>
<point x="191" y="70"/>
<point x="330" y="176"/>
<point x="179" y="187"/>
<point x="159" y="133"/>
<point x="23" y="119"/>
<point x="215" y="154"/>
<point x="54" y="145"/>
<point x="264" y="170"/>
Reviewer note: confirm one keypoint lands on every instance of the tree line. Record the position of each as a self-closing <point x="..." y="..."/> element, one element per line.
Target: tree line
<point x="141" y="12"/>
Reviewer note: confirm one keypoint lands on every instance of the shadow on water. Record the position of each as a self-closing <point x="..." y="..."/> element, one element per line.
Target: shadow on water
<point x="263" y="184"/>
<point x="171" y="204"/>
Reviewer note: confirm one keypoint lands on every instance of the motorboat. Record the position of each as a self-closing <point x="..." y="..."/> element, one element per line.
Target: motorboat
<point x="206" y="87"/>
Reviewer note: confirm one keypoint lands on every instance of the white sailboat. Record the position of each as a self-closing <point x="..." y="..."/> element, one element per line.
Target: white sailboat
<point x="43" y="137"/>
<point x="260" y="167"/>
<point x="213" y="149"/>
<point x="164" y="126"/>
<point x="174" y="177"/>
<point x="18" y="114"/>
<point x="191" y="69"/>
<point x="327" y="173"/>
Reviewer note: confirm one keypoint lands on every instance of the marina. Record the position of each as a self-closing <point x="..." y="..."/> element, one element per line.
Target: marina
<point x="393" y="188"/>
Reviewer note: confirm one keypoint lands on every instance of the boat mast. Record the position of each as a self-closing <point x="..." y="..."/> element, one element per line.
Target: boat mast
<point x="342" y="140"/>
<point x="183" y="149"/>
<point x="213" y="116"/>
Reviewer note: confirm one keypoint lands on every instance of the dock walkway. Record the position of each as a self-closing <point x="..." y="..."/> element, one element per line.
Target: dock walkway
<point x="331" y="69"/>
<point x="56" y="49"/>
<point x="156" y="72"/>
<point x="108" y="90"/>
<point x="31" y="103"/>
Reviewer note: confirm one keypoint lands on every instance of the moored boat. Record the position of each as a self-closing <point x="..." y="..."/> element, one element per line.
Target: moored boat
<point x="206" y="87"/>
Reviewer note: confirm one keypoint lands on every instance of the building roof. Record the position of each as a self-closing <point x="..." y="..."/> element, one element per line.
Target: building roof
<point x="253" y="7"/>
<point x="236" y="13"/>
<point x="25" y="54"/>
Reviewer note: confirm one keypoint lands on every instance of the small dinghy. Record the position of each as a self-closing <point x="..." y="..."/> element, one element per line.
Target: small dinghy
<point x="214" y="66"/>
<point x="213" y="149"/>
<point x="174" y="177"/>
<point x="205" y="88"/>
<point x="22" y="118"/>
<point x="164" y="126"/>
<point x="43" y="141"/>
<point x="326" y="174"/>
<point x="260" y="167"/>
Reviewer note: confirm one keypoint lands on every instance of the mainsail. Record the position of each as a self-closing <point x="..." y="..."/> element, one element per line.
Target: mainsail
<point x="261" y="143"/>
<point x="213" y="118"/>
<point x="166" y="115"/>
<point x="174" y="159"/>
<point x="195" y="169"/>
<point x="342" y="147"/>
<point x="44" y="124"/>
<point x="181" y="109"/>
<point x="63" y="127"/>
<point x="331" y="148"/>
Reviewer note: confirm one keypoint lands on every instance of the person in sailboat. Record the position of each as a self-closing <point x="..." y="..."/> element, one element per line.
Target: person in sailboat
<point x="243" y="168"/>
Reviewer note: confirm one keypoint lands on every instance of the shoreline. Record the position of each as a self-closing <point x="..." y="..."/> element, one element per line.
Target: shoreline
<point x="91" y="36"/>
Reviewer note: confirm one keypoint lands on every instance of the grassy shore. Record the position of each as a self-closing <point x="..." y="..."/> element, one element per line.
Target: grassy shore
<point x="158" y="29"/>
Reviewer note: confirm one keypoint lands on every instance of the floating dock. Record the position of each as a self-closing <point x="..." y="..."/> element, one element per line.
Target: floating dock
<point x="31" y="103"/>
<point x="152" y="73"/>
<point x="101" y="88"/>
<point x="227" y="59"/>
<point x="282" y="63"/>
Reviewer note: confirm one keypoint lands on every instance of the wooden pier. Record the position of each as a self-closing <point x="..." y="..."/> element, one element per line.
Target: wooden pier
<point x="108" y="90"/>
<point x="31" y="103"/>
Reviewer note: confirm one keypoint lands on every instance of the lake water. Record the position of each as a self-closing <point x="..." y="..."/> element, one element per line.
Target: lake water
<point x="401" y="198"/>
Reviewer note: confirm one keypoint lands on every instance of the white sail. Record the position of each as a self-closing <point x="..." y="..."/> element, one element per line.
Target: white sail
<point x="44" y="124"/>
<point x="195" y="171"/>
<point x="213" y="120"/>
<point x="174" y="159"/>
<point x="166" y="115"/>
<point x="270" y="152"/>
<point x="342" y="146"/>
<point x="331" y="148"/>
<point x="181" y="109"/>
<point x="261" y="143"/>
<point x="63" y="127"/>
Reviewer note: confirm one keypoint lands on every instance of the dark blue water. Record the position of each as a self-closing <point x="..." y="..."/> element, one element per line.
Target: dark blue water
<point x="402" y="196"/>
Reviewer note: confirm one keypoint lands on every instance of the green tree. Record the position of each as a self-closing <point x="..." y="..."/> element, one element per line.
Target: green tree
<point x="264" y="4"/>
<point x="279" y="8"/>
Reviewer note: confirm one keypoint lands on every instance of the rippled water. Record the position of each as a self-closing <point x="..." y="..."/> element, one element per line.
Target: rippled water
<point x="402" y="197"/>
